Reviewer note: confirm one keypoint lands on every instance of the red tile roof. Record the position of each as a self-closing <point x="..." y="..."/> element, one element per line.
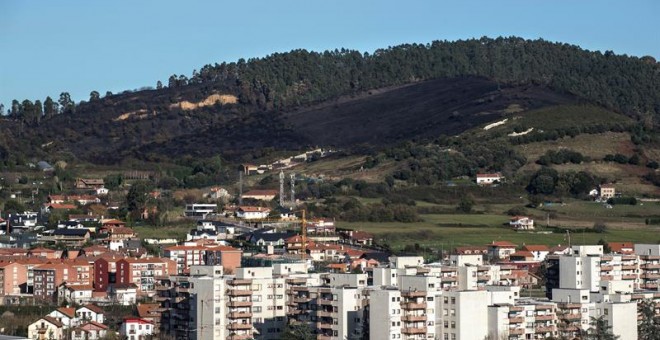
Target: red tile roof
<point x="536" y="247"/>
<point x="506" y="244"/>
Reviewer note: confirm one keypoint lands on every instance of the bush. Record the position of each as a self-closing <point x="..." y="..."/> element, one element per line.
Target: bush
<point x="622" y="200"/>
<point x="515" y="211"/>
<point x="652" y="165"/>
<point x="600" y="227"/>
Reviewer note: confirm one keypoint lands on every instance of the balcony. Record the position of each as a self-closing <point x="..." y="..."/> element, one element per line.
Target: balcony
<point x="650" y="266"/>
<point x="239" y="315"/>
<point x="545" y="329"/>
<point x="325" y="302"/>
<point x="413" y="305"/>
<point x="324" y="324"/>
<point x="414" y="318"/>
<point x="629" y="277"/>
<point x="516" y="319"/>
<point x="235" y="282"/>
<point x="294" y="281"/>
<point x="323" y="337"/>
<point x="180" y="289"/>
<point x="448" y="279"/>
<point x="483" y="278"/>
<point x="417" y="330"/>
<point x="516" y="331"/>
<point x="239" y="326"/>
<point x="606" y="268"/>
<point x="570" y="316"/>
<point x="240" y="337"/>
<point x="629" y="267"/>
<point x="239" y="304"/>
<point x="322" y="313"/>
<point x="607" y="277"/>
<point x="413" y="294"/>
<point x="239" y="292"/>
<point x="544" y="317"/>
<point x="301" y="299"/>
<point x="651" y="276"/>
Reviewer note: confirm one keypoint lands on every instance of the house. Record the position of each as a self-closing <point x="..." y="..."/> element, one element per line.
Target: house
<point x="321" y="226"/>
<point x="249" y="169"/>
<point x="48" y="208"/>
<point x="46" y="328"/>
<point x="13" y="276"/>
<point x="65" y="315"/>
<point x="471" y="250"/>
<point x="358" y="237"/>
<point x="136" y="328"/>
<point x="124" y="294"/>
<point x="89" y="331"/>
<point x="521" y="223"/>
<point x="200" y="210"/>
<point x="501" y="249"/>
<point x="90" y="312"/>
<point x="56" y="199"/>
<point x="539" y="251"/>
<point x="151" y="312"/>
<point x="624" y="248"/>
<point x="70" y="293"/>
<point x="607" y="191"/>
<point x="488" y="179"/>
<point x="261" y="195"/>
<point x="71" y="237"/>
<point x="102" y="191"/>
<point x="252" y="213"/>
<point x="268" y="237"/>
<point x="522" y="256"/>
<point x="218" y="193"/>
<point x="89" y="183"/>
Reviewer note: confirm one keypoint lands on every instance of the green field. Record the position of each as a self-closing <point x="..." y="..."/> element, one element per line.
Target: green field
<point x="448" y="231"/>
<point x="178" y="232"/>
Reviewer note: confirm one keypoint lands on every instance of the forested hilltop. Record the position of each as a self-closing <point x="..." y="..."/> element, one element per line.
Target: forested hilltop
<point x="256" y="99"/>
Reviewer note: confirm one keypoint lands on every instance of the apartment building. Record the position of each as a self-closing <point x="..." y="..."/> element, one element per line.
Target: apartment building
<point x="528" y="319"/>
<point x="143" y="272"/>
<point x="13" y="276"/>
<point x="47" y="277"/>
<point x="192" y="254"/>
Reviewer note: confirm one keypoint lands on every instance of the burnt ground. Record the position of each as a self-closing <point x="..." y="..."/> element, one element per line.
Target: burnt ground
<point x="421" y="110"/>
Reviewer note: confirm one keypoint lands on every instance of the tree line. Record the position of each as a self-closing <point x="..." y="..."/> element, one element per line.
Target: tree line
<point x="625" y="83"/>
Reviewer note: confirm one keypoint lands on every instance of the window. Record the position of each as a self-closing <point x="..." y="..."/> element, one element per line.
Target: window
<point x="453" y="336"/>
<point x="446" y="336"/>
<point x="446" y="324"/>
<point x="446" y="300"/>
<point x="430" y="298"/>
<point x="445" y="312"/>
<point x="256" y="309"/>
<point x="453" y="324"/>
<point x="393" y="323"/>
<point x="606" y="311"/>
<point x="453" y="312"/>
<point x="279" y="307"/>
<point x="453" y="300"/>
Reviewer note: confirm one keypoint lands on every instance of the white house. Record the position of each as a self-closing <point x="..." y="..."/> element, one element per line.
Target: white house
<point x="136" y="328"/>
<point x="64" y="315"/>
<point x="90" y="312"/>
<point x="89" y="331"/>
<point x="46" y="328"/>
<point x="102" y="191"/>
<point x="521" y="223"/>
<point x="487" y="179"/>
<point x="252" y="213"/>
<point x="123" y="293"/>
<point x="79" y="294"/>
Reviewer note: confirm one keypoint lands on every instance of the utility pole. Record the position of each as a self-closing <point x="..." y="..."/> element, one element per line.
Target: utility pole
<point x="240" y="188"/>
<point x="293" y="189"/>
<point x="281" y="188"/>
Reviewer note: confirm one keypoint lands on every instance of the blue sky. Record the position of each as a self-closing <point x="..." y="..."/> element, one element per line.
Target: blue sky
<point x="47" y="46"/>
